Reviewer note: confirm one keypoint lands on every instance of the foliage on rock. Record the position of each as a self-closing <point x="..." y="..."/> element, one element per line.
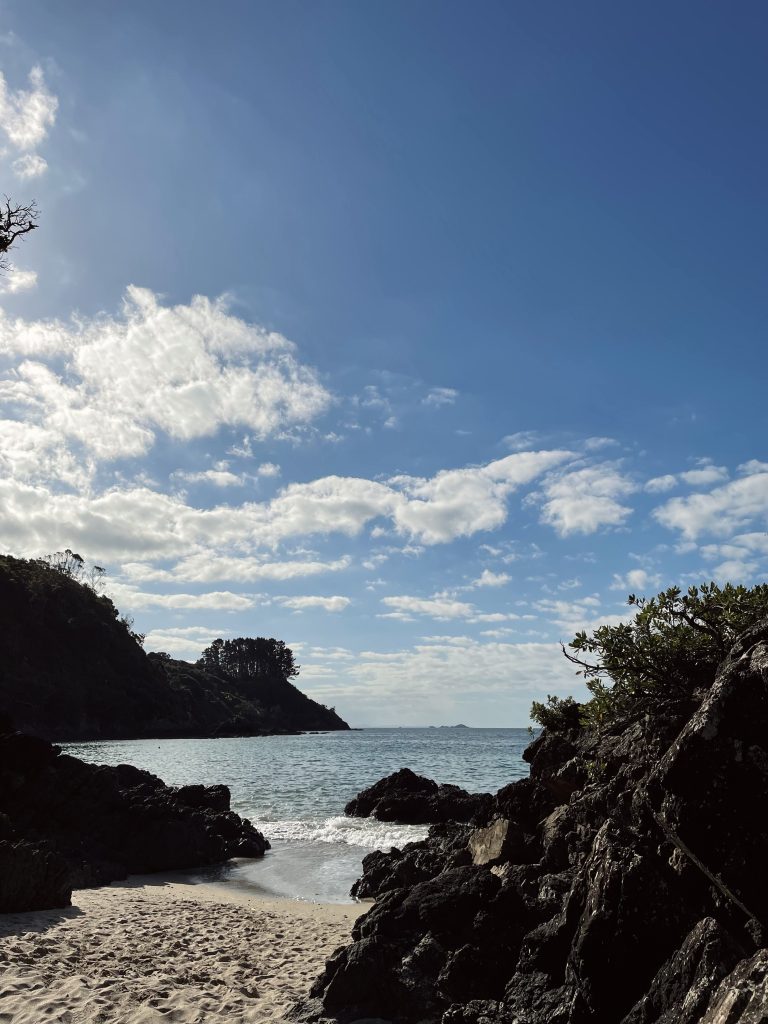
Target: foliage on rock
<point x="671" y="648"/>
<point x="623" y="882"/>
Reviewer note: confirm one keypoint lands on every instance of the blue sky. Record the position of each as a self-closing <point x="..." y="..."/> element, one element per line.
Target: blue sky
<point x="417" y="335"/>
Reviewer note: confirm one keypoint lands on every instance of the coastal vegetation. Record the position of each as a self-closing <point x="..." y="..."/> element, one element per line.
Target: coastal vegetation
<point x="671" y="648"/>
<point x="74" y="668"/>
<point x="623" y="882"/>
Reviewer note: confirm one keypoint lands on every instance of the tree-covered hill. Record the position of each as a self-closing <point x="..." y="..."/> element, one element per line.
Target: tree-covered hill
<point x="72" y="669"/>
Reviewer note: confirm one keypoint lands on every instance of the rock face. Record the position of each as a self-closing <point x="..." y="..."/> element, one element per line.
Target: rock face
<point x="65" y="824"/>
<point x="625" y="882"/>
<point x="32" y="877"/>
<point x="415" y="800"/>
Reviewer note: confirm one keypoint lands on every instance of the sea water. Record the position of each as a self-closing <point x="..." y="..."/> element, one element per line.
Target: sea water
<point x="294" y="788"/>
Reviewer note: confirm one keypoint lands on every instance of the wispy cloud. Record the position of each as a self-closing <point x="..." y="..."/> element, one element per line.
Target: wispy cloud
<point x="15" y="281"/>
<point x="26" y="115"/>
<point x="310" y="601"/>
<point x="438" y="397"/>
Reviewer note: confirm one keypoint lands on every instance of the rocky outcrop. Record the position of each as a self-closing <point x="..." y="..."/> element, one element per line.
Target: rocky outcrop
<point x="65" y="824"/>
<point x="624" y="882"/>
<point x="415" y="800"/>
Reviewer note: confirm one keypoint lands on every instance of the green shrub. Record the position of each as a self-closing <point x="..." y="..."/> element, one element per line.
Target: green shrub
<point x="558" y="714"/>
<point x="672" y="646"/>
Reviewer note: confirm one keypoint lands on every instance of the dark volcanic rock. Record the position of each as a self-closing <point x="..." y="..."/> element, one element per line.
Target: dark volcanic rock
<point x="32" y="877"/>
<point x="625" y="882"/>
<point x="446" y="847"/>
<point x="84" y="824"/>
<point x="460" y="930"/>
<point x="742" y="997"/>
<point x="681" y="990"/>
<point x="416" y="800"/>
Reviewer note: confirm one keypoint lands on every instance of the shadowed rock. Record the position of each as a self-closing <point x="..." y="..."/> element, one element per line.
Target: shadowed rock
<point x="415" y="800"/>
<point x="624" y="882"/>
<point x="65" y="824"/>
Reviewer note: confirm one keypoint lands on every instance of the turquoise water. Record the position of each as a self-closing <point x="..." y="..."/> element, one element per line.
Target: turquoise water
<point x="294" y="788"/>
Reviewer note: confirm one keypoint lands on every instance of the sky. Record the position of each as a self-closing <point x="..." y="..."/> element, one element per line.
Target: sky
<point x="417" y="335"/>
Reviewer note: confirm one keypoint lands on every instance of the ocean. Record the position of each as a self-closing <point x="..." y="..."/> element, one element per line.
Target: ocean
<point x="294" y="788"/>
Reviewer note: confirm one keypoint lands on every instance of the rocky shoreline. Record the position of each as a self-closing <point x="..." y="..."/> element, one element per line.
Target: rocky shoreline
<point x="624" y="882"/>
<point x="66" y="824"/>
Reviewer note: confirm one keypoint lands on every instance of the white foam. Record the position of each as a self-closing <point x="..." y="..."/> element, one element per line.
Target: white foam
<point x="366" y="832"/>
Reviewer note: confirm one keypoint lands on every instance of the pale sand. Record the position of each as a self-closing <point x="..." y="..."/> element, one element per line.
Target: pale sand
<point x="157" y="948"/>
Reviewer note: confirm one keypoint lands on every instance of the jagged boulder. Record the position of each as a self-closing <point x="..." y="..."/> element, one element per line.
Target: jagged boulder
<point x="413" y="799"/>
<point x="459" y="929"/>
<point x="445" y="847"/>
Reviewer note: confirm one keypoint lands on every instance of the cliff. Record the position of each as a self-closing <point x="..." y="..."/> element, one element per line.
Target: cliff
<point x="624" y="882"/>
<point x="71" y="669"/>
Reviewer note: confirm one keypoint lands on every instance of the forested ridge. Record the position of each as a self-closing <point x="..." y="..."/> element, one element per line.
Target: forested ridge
<point x="72" y="668"/>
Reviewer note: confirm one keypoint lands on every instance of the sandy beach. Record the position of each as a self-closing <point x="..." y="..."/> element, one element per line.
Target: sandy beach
<point x="161" y="948"/>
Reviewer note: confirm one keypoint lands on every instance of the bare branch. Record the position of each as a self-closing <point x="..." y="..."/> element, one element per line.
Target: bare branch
<point x="16" y="220"/>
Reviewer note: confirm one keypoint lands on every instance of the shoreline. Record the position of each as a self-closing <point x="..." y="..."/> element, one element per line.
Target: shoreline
<point x="166" y="947"/>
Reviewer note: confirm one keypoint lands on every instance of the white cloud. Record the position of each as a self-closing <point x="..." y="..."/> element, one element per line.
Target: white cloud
<point x="491" y="579"/>
<point x="705" y="476"/>
<point x="332" y="504"/>
<point x="465" y="667"/>
<point x="127" y="598"/>
<point x="138" y="522"/>
<point x="16" y="281"/>
<point x="187" y="642"/>
<point x="438" y="397"/>
<point x="636" y="581"/>
<point x="206" y="566"/>
<point x="217" y="477"/>
<point x="583" y="613"/>
<point x="461" y="502"/>
<point x="723" y="510"/>
<point x="757" y="542"/>
<point x="596" y="444"/>
<point x="521" y="440"/>
<point x="185" y="370"/>
<point x="441" y="608"/>
<point x="735" y="570"/>
<point x="27" y="114"/>
<point x="30" y="165"/>
<point x="268" y="469"/>
<point x="570" y="584"/>
<point x="328" y="604"/>
<point x="583" y="500"/>
<point x="332" y="653"/>
<point x="659" y="484"/>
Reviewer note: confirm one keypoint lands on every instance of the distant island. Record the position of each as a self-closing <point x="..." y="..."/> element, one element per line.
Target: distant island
<point x="72" y="668"/>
